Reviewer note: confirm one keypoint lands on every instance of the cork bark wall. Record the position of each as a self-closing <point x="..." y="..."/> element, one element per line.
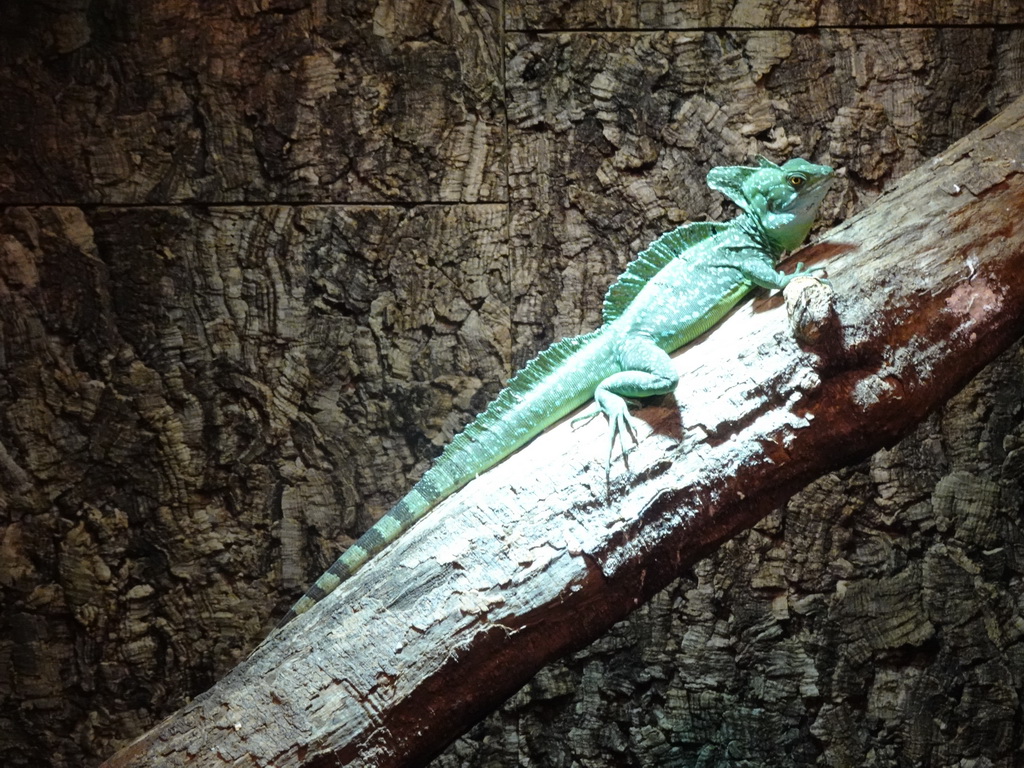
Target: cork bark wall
<point x="259" y="260"/>
<point x="876" y="620"/>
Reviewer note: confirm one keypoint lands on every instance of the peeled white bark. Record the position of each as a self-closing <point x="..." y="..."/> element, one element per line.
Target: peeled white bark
<point x="542" y="554"/>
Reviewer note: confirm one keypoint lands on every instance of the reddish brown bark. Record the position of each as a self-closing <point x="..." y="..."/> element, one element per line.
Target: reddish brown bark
<point x="537" y="557"/>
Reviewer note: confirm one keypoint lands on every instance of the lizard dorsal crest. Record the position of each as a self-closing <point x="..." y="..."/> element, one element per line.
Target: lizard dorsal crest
<point x="529" y="376"/>
<point x="651" y="261"/>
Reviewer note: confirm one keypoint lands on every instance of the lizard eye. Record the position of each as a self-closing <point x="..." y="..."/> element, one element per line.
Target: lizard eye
<point x="796" y="181"/>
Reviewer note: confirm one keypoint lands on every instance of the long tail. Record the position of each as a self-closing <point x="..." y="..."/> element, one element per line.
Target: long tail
<point x="432" y="488"/>
<point x="534" y="398"/>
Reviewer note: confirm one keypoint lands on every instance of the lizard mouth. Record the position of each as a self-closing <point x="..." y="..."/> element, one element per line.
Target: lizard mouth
<point x="811" y="197"/>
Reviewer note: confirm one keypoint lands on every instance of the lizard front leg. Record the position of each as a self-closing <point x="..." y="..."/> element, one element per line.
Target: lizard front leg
<point x="759" y="270"/>
<point x="646" y="370"/>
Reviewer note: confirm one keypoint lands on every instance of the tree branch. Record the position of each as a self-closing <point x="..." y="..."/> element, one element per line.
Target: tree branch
<point x="542" y="554"/>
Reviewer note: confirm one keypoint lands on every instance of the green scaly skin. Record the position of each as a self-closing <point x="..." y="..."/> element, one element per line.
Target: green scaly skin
<point x="677" y="289"/>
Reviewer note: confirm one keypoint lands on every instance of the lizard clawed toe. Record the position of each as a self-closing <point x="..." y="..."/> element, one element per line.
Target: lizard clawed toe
<point x="620" y="424"/>
<point x="683" y="283"/>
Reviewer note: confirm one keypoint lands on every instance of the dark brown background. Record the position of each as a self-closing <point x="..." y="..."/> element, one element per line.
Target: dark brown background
<point x="259" y="260"/>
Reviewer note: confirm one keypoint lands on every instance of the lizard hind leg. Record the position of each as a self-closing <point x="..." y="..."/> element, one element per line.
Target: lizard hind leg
<point x="646" y="371"/>
<point x="621" y="423"/>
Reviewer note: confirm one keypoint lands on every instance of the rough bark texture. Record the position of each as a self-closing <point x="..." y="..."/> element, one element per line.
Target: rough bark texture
<point x="511" y="572"/>
<point x="874" y="621"/>
<point x="261" y="259"/>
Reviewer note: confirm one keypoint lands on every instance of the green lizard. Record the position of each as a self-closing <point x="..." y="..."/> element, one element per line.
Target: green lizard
<point x="677" y="289"/>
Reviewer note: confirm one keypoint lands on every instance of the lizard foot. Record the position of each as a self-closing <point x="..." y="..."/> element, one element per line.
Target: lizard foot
<point x="815" y="272"/>
<point x="584" y="418"/>
<point x="620" y="425"/>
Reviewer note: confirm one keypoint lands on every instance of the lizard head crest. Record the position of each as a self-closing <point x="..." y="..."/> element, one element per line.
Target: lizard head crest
<point x="783" y="199"/>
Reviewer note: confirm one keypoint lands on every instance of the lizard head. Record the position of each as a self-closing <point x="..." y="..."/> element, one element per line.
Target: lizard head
<point x="784" y="199"/>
